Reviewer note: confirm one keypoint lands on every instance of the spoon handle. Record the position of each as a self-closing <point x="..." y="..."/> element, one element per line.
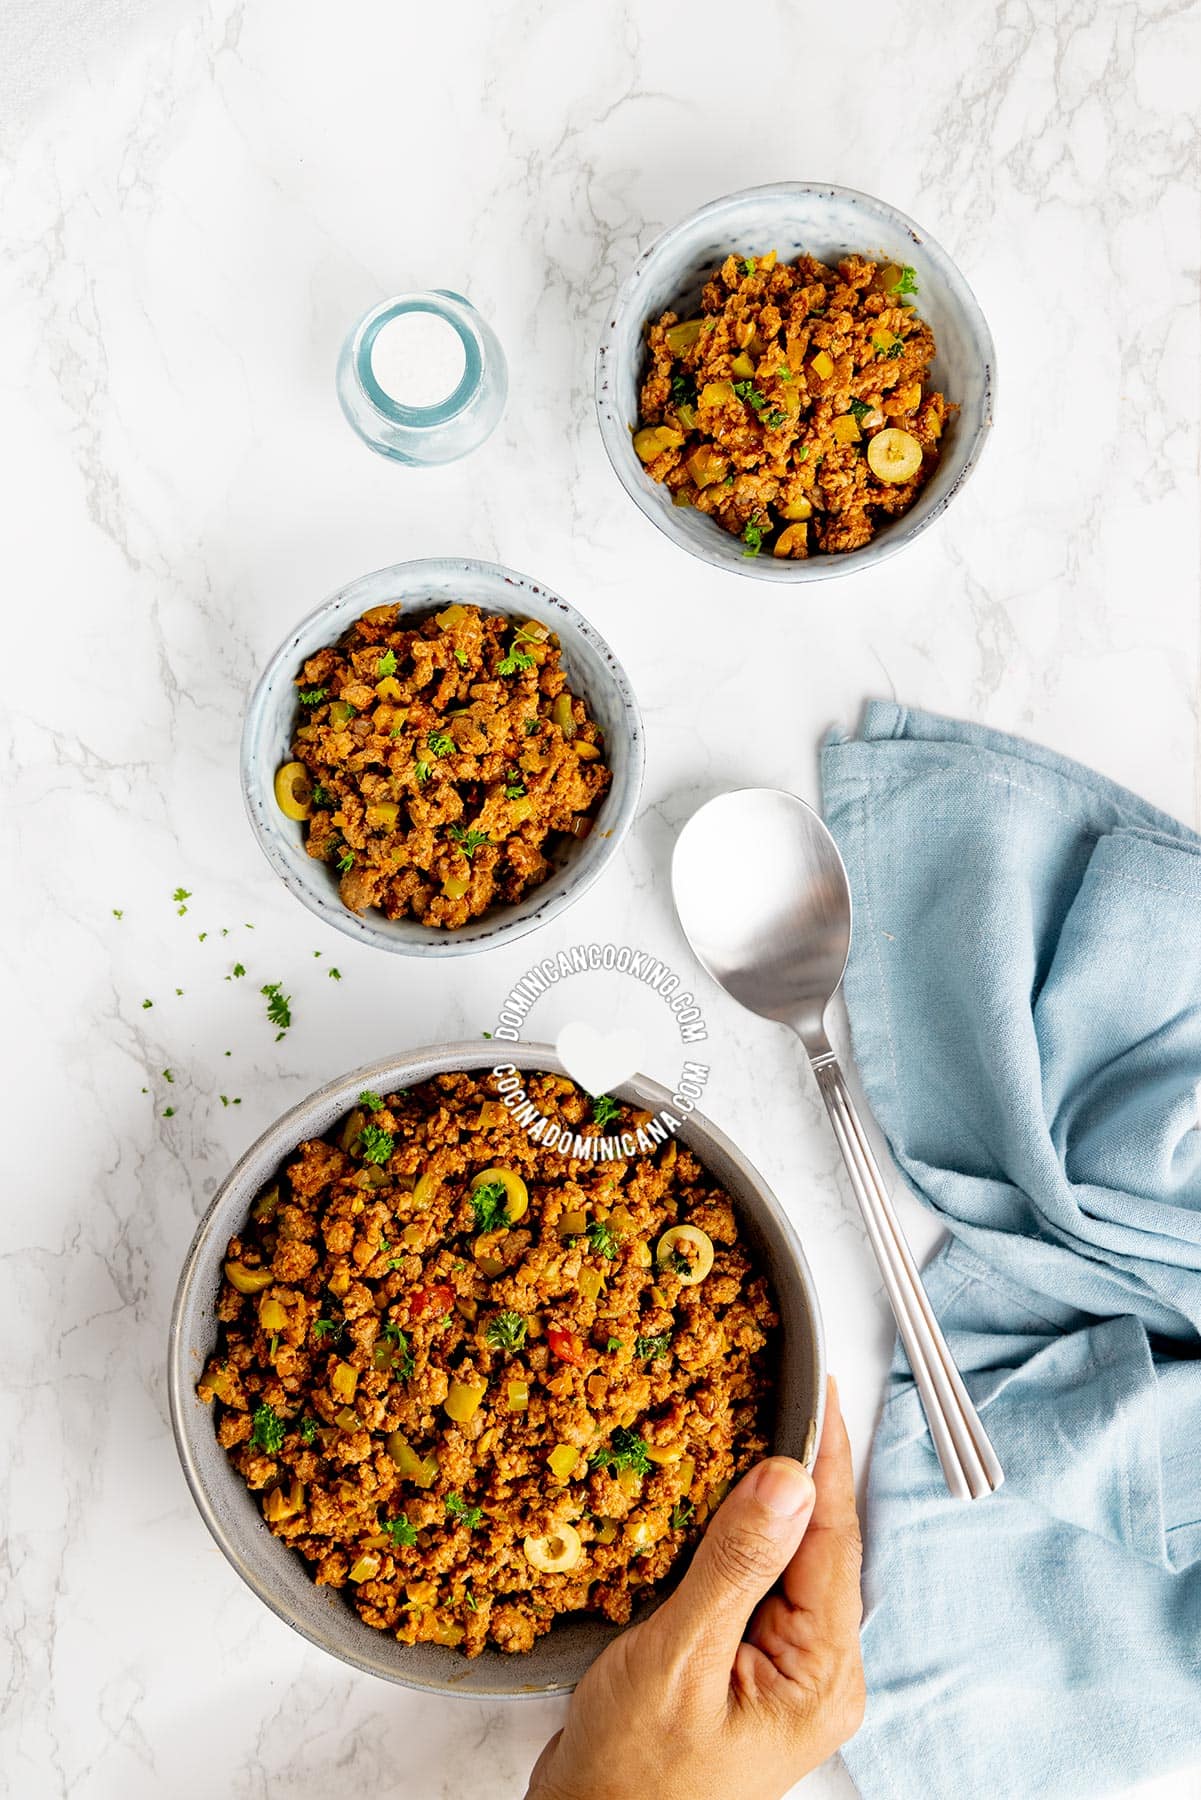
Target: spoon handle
<point x="968" y="1459"/>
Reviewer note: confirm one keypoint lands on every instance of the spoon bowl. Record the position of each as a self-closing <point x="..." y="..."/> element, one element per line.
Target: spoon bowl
<point x="763" y="896"/>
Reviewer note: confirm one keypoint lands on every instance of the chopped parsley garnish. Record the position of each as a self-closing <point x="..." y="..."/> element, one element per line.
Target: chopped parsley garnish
<point x="147" y="1003"/>
<point x="490" y="1204"/>
<point x="893" y="351"/>
<point x="167" y="1075"/>
<point x="371" y="1101"/>
<point x="386" y="664"/>
<point x="335" y="974"/>
<point x="680" y="1263"/>
<point x="530" y="727"/>
<point x="604" y="1108"/>
<point x="457" y="1508"/>
<point x="460" y="657"/>
<point x="775" y="417"/>
<point x="748" y="264"/>
<point x="681" y="1512"/>
<point x="625" y="1450"/>
<point x="752" y="537"/>
<point x="441" y="743"/>
<point x="400" y="1531"/>
<point x="118" y="912"/>
<point x="614" y="1343"/>
<point x="375" y="1144"/>
<point x="859" y="408"/>
<point x="313" y="696"/>
<point x="279" y="1006"/>
<point x="650" y="1349"/>
<point x="746" y="390"/>
<point x="602" y="1239"/>
<point x="469" y="841"/>
<point x="321" y="798"/>
<point x="506" y="1331"/>
<point x="908" y="282"/>
<point x="267" y="1432"/>
<point x="345" y="862"/>
<point x="728" y="482"/>
<point x="514" y="784"/>
<point x="179" y="896"/>
<point x="168" y="1112"/>
<point x="683" y="389"/>
<point x="784" y="373"/>
<point x="308" y="1431"/>
<point x="402" y="1356"/>
<point x="515" y="659"/>
<point x="323" y="1328"/>
<point x="238" y="970"/>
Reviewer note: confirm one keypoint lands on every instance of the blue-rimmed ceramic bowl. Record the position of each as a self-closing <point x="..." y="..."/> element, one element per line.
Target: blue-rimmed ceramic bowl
<point x="593" y="673"/>
<point x="793" y="217"/>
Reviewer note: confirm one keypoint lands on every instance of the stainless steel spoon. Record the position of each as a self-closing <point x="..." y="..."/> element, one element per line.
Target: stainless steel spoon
<point x="763" y="896"/>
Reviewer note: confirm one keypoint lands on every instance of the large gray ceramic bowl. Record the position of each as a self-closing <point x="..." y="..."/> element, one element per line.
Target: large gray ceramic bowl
<point x="593" y="673"/>
<point x="277" y="1574"/>
<point x="828" y="222"/>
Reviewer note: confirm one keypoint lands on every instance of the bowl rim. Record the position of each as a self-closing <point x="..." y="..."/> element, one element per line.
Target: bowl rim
<point x="267" y="1151"/>
<point x="828" y="566"/>
<point x="434" y="943"/>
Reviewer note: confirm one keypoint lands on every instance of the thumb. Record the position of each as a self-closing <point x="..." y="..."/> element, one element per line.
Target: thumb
<point x="751" y="1539"/>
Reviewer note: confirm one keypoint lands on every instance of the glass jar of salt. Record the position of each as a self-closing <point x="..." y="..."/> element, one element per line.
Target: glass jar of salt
<point x="422" y="378"/>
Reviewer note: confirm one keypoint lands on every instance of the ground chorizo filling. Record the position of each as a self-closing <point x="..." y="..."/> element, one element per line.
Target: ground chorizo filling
<point x="477" y="1385"/>
<point x="793" y="408"/>
<point x="439" y="766"/>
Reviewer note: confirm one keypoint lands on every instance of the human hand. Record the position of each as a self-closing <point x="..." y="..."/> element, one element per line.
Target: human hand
<point x="697" y="1704"/>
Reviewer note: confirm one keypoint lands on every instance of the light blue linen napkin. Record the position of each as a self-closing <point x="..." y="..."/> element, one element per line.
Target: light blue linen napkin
<point x="1025" y="1003"/>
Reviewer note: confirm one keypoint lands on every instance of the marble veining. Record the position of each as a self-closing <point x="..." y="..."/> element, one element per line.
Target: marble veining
<point x="198" y="199"/>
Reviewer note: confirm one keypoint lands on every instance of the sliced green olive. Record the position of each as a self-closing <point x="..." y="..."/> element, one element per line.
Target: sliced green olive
<point x="517" y="1198"/>
<point x="686" y="1244"/>
<point x="294" y="791"/>
<point x="556" y="1553"/>
<point x="894" y="455"/>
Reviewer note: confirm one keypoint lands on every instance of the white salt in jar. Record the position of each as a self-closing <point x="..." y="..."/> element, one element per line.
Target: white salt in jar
<point x="422" y="378"/>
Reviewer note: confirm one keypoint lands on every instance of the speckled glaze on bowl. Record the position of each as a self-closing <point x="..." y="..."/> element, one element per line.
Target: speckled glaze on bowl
<point x="827" y="222"/>
<point x="593" y="673"/>
<point x="278" y="1575"/>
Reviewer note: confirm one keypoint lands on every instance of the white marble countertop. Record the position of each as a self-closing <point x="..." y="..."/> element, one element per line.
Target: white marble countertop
<point x="200" y="199"/>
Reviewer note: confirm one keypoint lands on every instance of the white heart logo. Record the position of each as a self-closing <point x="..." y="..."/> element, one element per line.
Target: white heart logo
<point x="598" y="1060"/>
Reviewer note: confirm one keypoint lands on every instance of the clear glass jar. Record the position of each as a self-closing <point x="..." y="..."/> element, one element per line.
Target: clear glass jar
<point x="447" y="428"/>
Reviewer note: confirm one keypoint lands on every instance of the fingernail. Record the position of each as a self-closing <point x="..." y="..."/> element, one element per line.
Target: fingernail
<point x="783" y="1486"/>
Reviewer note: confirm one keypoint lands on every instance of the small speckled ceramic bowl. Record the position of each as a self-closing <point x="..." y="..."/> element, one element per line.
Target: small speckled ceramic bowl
<point x="593" y="673"/>
<point x="792" y="217"/>
<point x="277" y="1574"/>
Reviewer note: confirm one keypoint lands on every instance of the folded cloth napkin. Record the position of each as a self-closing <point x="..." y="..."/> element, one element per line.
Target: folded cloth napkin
<point x="1025" y="1003"/>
